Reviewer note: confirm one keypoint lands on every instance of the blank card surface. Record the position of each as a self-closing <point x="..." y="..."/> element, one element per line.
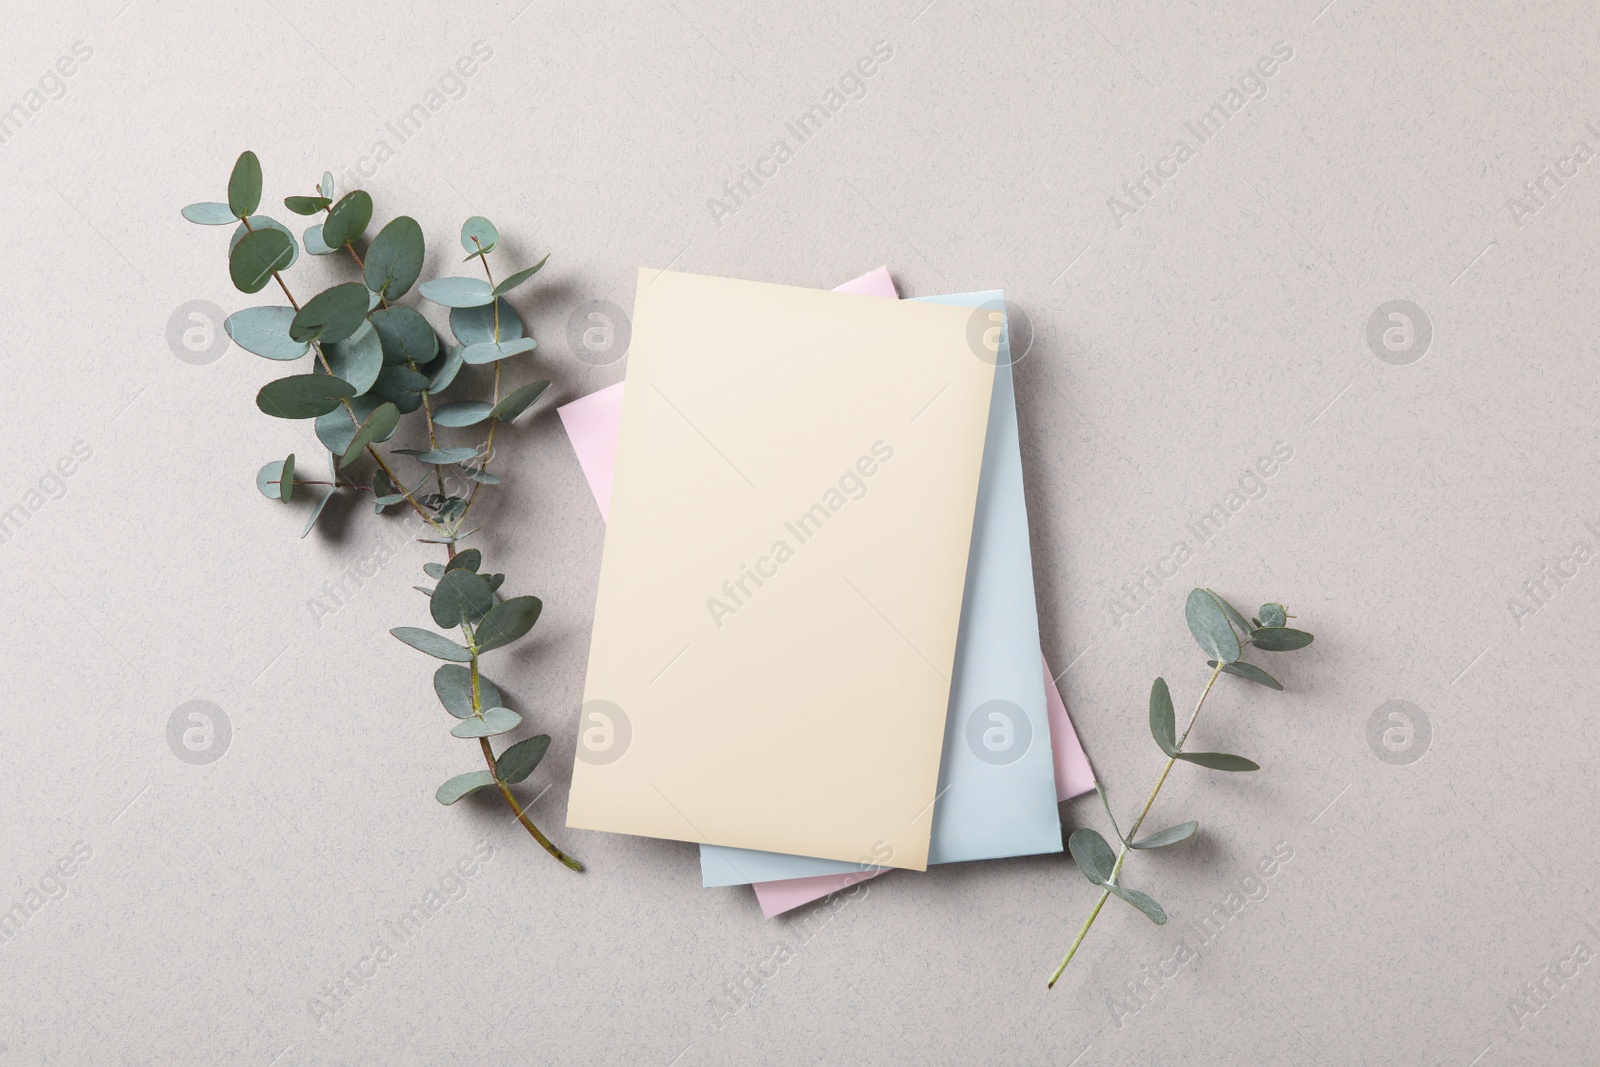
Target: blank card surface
<point x="782" y="581"/>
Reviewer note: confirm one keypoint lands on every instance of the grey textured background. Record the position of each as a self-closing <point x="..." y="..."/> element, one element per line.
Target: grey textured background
<point x="1423" y="899"/>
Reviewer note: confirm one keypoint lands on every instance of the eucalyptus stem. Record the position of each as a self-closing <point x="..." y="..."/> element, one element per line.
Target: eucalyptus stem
<point x="1122" y="853"/>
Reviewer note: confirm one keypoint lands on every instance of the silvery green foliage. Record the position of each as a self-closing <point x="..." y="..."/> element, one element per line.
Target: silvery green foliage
<point x="378" y="372"/>
<point x="1223" y="635"/>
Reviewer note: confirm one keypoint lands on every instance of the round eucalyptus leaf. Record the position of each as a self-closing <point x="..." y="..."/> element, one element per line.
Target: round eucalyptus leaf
<point x="1279" y="639"/>
<point x="303" y="396"/>
<point x="265" y="331"/>
<point x="479" y="234"/>
<point x="461" y="596"/>
<point x="347" y="220"/>
<point x="507" y="621"/>
<point x="1210" y="626"/>
<point x="495" y="721"/>
<point x="1230" y="611"/>
<point x="464" y="413"/>
<point x="470" y="558"/>
<point x="210" y="213"/>
<point x="449" y="367"/>
<point x="461" y="785"/>
<point x="316" y="512"/>
<point x="336" y="430"/>
<point x="286" y="480"/>
<point x="358" y="359"/>
<point x="325" y="187"/>
<point x="475" y="324"/>
<point x="457" y="292"/>
<point x="405" y="334"/>
<point x="269" y="479"/>
<point x="331" y="315"/>
<point x="433" y="644"/>
<point x="518" y="761"/>
<point x="252" y="261"/>
<point x="264" y="222"/>
<point x="314" y="242"/>
<point x="1143" y="902"/>
<point x="1250" y="671"/>
<point x="244" y="185"/>
<point x="1092" y="855"/>
<point x="453" y="684"/>
<point x="377" y="427"/>
<point x="306" y="205"/>
<point x="489" y="352"/>
<point x="395" y="258"/>
<point x="1273" y="615"/>
<point x="516" y="403"/>
<point x="518" y="278"/>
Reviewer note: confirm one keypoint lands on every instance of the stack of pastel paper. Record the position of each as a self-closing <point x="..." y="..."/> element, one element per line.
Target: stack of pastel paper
<point x="816" y="643"/>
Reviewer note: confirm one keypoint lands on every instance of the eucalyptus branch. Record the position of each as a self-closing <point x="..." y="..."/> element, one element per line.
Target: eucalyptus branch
<point x="374" y="361"/>
<point x="1223" y="634"/>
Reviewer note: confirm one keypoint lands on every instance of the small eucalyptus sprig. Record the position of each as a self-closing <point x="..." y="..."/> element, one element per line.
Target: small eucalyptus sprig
<point x="1213" y="622"/>
<point x="376" y="361"/>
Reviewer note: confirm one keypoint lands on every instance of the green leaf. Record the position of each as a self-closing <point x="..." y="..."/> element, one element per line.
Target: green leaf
<point x="1093" y="856"/>
<point x="1250" y="671"/>
<point x="461" y="596"/>
<point x="303" y="396"/>
<point x="441" y="457"/>
<point x="316" y="512"/>
<point x="462" y="784"/>
<point x="325" y="187"/>
<point x="495" y="581"/>
<point x="209" y="213"/>
<point x="336" y="430"/>
<point x="1170" y="836"/>
<point x="518" y="761"/>
<point x="434" y="571"/>
<point x="1272" y="615"/>
<point x="449" y="367"/>
<point x="379" y="425"/>
<point x="507" y="621"/>
<point x="453" y="684"/>
<point x="1163" y="727"/>
<point x="256" y="223"/>
<point x="331" y="315"/>
<point x="1219" y="761"/>
<point x="1230" y="611"/>
<point x="269" y="480"/>
<point x="306" y="205"/>
<point x="518" y="402"/>
<point x="348" y="219"/>
<point x="470" y="558"/>
<point x="256" y="256"/>
<point x="489" y="352"/>
<point x="395" y="258"/>
<point x="358" y="359"/>
<point x="472" y="325"/>
<point x="1279" y="639"/>
<point x="1151" y="909"/>
<point x="244" y="185"/>
<point x="464" y="413"/>
<point x="1210" y="626"/>
<point x="494" y="721"/>
<point x="401" y="386"/>
<point x="478" y="234"/>
<point x="518" y="278"/>
<point x="457" y="292"/>
<point x="484" y="477"/>
<point x="406" y="335"/>
<point x="431" y="643"/>
<point x="265" y="331"/>
<point x="314" y="243"/>
<point x="286" y="480"/>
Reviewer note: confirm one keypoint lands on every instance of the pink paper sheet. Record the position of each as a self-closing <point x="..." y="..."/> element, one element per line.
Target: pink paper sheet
<point x="593" y="422"/>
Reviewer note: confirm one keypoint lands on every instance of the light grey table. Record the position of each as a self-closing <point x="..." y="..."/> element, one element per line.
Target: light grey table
<point x="1432" y="899"/>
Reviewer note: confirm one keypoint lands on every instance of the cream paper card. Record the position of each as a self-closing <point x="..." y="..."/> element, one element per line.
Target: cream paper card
<point x="782" y="580"/>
